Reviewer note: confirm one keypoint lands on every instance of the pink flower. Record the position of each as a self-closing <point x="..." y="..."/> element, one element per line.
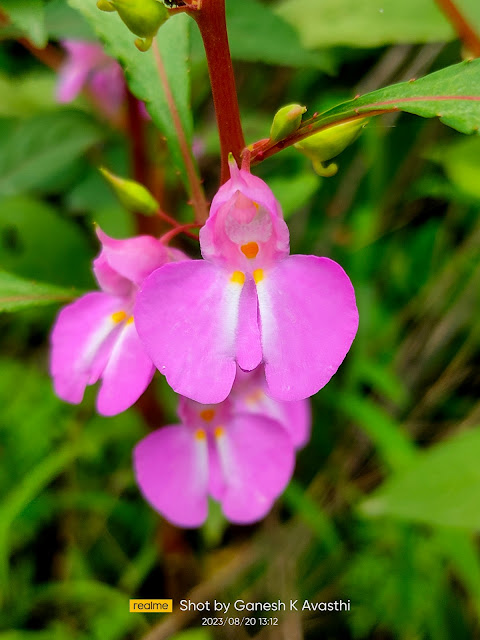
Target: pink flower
<point x="95" y="336"/>
<point x="249" y="395"/>
<point x="234" y="451"/>
<point x="246" y="303"/>
<point x="87" y="65"/>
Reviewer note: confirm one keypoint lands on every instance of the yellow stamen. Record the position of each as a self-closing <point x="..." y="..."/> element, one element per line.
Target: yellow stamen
<point x="200" y="434"/>
<point x="219" y="431"/>
<point x="119" y="316"/>
<point x="249" y="250"/>
<point x="207" y="415"/>
<point x="256" y="205"/>
<point x="238" y="277"/>
<point x="258" y="275"/>
<point x="130" y="320"/>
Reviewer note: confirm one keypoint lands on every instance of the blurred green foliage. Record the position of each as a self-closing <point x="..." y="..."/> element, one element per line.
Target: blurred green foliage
<point x="383" y="509"/>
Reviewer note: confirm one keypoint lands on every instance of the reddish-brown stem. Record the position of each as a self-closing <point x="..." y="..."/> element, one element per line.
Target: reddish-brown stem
<point x="266" y="148"/>
<point x="469" y="37"/>
<point x="198" y="197"/>
<point x="165" y="239"/>
<point x="50" y="55"/>
<point x="136" y="137"/>
<point x="213" y="28"/>
<point x="139" y="164"/>
<point x="177" y="225"/>
<point x="164" y="216"/>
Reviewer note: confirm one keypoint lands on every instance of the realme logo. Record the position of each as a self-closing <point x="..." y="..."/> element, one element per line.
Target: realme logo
<point x="153" y="606"/>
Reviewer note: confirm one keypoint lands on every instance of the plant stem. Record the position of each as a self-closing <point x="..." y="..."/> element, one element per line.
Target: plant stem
<point x="178" y="225"/>
<point x="213" y="28"/>
<point x="469" y="37"/>
<point x="165" y="239"/>
<point x="136" y="139"/>
<point x="198" y="197"/>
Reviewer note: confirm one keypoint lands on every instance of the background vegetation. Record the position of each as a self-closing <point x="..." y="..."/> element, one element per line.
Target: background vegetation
<point x="384" y="508"/>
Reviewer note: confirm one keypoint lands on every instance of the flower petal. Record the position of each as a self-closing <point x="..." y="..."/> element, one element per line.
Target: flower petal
<point x="127" y="374"/>
<point x="187" y="314"/>
<point x="133" y="258"/>
<point x="81" y="340"/>
<point x="71" y="79"/>
<point x="245" y="229"/>
<point x="171" y="468"/>
<point x="308" y="322"/>
<point x="249" y="348"/>
<point x="108" y="86"/>
<point x="249" y="185"/>
<point x="110" y="280"/>
<point x="257" y="459"/>
<point x="82" y="60"/>
<point x="249" y="396"/>
<point x="297" y="419"/>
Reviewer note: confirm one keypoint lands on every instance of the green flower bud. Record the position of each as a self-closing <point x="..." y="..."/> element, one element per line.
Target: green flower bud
<point x="105" y="5"/>
<point x="142" y="17"/>
<point x="134" y="196"/>
<point x="324" y="145"/>
<point x="286" y="121"/>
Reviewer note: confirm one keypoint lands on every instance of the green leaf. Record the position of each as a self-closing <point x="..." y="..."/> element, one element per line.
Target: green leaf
<point x="28" y="94"/>
<point x="393" y="446"/>
<point x="17" y="293"/>
<point x="369" y="23"/>
<point x="451" y="94"/>
<point x="63" y="22"/>
<point x="256" y="34"/>
<point x="29" y="16"/>
<point x="31" y="230"/>
<point x="461" y="161"/>
<point x="30" y="486"/>
<point x="141" y="70"/>
<point x="49" y="634"/>
<point x="308" y="510"/>
<point x="34" y="150"/>
<point x="441" y="488"/>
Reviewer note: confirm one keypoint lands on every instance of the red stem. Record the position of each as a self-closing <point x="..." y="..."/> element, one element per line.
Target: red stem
<point x="469" y="37"/>
<point x="165" y="239"/>
<point x="136" y="137"/>
<point x="178" y="225"/>
<point x="213" y="28"/>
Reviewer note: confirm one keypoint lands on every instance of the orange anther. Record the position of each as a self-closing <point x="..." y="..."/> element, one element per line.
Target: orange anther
<point x="249" y="250"/>
<point x="207" y="415"/>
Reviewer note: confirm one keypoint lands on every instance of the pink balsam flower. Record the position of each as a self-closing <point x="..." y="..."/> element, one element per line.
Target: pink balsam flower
<point x="247" y="302"/>
<point x="95" y="337"/>
<point x="249" y="395"/>
<point x="87" y="65"/>
<point x="234" y="451"/>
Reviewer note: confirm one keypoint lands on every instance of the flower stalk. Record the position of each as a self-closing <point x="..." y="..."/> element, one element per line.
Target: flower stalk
<point x="211" y="21"/>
